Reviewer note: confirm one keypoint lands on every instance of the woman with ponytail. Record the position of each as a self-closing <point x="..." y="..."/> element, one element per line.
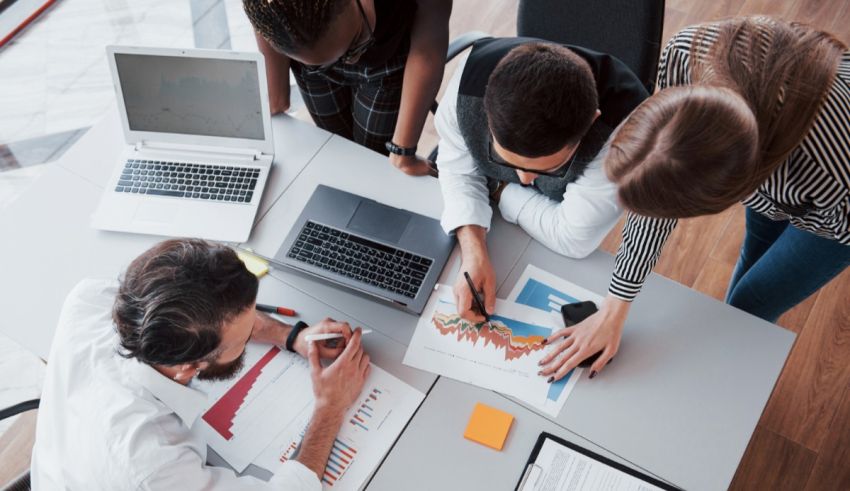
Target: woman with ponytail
<point x="752" y="110"/>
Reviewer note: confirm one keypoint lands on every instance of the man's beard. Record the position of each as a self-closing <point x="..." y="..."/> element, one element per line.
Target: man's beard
<point x="217" y="372"/>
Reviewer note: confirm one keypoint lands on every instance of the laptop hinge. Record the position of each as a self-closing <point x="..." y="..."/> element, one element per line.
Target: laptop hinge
<point x="198" y="151"/>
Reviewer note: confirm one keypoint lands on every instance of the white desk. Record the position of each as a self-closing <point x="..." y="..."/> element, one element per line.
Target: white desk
<point x="54" y="247"/>
<point x="680" y="401"/>
<point x="686" y="389"/>
<point x="453" y="462"/>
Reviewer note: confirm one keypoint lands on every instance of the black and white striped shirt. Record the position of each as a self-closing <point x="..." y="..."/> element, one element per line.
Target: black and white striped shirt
<point x="811" y="189"/>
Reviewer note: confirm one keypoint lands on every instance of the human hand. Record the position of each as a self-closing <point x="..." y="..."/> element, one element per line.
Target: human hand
<point x="496" y="194"/>
<point x="279" y="101"/>
<point x="572" y="345"/>
<point x="338" y="385"/>
<point x="476" y="262"/>
<point x="330" y="348"/>
<point x="413" y="165"/>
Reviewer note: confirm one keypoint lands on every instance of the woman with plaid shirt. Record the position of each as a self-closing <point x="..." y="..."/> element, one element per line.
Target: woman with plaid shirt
<point x="368" y="70"/>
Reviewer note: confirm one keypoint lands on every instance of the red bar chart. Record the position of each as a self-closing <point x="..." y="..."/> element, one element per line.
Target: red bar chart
<point x="221" y="415"/>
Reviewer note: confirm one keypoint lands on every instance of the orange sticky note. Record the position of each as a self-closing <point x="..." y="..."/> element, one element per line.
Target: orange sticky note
<point x="488" y="426"/>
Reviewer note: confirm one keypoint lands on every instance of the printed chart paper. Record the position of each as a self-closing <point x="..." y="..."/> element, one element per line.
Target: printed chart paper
<point x="371" y="426"/>
<point x="264" y="410"/>
<point x="546" y="292"/>
<point x="247" y="412"/>
<point x="504" y="358"/>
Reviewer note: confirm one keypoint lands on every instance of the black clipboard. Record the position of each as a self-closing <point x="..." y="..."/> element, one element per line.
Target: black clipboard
<point x="530" y="463"/>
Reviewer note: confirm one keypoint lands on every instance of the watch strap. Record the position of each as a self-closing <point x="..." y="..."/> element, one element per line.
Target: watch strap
<point x="403" y="151"/>
<point x="293" y="334"/>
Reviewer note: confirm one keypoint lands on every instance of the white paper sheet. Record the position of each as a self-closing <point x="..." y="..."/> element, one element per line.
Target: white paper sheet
<point x="560" y="468"/>
<point x="370" y="427"/>
<point x="256" y="416"/>
<point x="546" y="292"/>
<point x="504" y="358"/>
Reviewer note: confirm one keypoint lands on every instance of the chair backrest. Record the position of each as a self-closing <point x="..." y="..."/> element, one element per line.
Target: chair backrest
<point x="628" y="29"/>
<point x="22" y="482"/>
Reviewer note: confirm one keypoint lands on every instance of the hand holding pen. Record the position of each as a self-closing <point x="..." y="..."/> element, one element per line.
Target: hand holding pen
<point x="478" y="302"/>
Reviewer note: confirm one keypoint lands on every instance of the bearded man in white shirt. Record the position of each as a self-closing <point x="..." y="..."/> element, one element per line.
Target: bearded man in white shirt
<point x="117" y="404"/>
<point x="523" y="124"/>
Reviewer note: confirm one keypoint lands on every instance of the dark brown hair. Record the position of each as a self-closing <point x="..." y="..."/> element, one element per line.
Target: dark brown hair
<point x="756" y="90"/>
<point x="175" y="297"/>
<point x="540" y="98"/>
<point x="289" y="25"/>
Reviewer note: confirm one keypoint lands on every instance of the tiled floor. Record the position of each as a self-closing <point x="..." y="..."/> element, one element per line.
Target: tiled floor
<point x="21" y="372"/>
<point x="55" y="75"/>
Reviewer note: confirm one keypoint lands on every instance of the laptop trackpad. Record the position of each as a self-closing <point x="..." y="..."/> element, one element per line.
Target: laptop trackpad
<point x="155" y="212"/>
<point x="381" y="222"/>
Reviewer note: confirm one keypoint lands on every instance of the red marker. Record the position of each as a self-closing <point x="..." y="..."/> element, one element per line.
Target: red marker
<point x="276" y="310"/>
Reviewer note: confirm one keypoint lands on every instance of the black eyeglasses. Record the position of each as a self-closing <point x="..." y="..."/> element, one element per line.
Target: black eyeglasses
<point x="560" y="171"/>
<point x="354" y="52"/>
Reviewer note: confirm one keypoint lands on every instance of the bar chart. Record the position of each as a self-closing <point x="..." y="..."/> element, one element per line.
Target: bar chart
<point x="248" y="414"/>
<point x="221" y="415"/>
<point x="341" y="457"/>
<point x="363" y="414"/>
<point x="369" y="428"/>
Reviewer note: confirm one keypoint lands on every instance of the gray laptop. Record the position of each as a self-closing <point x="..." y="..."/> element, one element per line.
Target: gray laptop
<point x="386" y="253"/>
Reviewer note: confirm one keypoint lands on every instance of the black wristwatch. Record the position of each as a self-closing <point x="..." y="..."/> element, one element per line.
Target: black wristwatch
<point x="403" y="151"/>
<point x="293" y="334"/>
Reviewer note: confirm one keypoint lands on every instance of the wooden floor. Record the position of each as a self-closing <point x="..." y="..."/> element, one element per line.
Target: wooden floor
<point x="803" y="438"/>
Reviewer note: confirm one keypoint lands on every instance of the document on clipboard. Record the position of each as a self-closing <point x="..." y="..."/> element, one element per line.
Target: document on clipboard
<point x="558" y="465"/>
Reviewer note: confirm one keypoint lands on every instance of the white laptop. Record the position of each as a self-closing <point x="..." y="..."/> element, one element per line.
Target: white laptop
<point x="199" y="143"/>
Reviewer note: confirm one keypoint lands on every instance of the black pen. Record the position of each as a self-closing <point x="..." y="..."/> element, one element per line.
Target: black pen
<point x="479" y="304"/>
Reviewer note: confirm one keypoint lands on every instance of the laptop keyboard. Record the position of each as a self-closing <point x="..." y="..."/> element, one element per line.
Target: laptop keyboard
<point x="360" y="259"/>
<point x="185" y="180"/>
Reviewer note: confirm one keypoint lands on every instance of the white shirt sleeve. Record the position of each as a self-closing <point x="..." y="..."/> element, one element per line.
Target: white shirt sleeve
<point x="577" y="225"/>
<point x="465" y="196"/>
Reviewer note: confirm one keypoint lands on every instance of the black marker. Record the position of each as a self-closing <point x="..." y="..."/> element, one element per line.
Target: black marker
<point x="479" y="304"/>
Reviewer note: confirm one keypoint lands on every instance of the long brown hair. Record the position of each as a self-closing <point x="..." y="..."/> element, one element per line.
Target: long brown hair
<point x="757" y="85"/>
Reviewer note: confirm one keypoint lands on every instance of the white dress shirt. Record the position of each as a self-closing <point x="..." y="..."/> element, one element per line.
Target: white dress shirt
<point x="110" y="423"/>
<point x="574" y="227"/>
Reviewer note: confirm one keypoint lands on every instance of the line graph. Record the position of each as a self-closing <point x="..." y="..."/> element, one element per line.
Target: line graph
<point x="503" y="357"/>
<point x="517" y="338"/>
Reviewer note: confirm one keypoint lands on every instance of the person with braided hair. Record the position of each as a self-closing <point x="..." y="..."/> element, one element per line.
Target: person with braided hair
<point x="368" y="70"/>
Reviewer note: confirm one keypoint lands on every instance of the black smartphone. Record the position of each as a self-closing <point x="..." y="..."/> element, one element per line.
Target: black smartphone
<point x="574" y="313"/>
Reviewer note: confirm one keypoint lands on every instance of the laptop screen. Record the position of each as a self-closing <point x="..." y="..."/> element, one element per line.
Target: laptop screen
<point x="192" y="96"/>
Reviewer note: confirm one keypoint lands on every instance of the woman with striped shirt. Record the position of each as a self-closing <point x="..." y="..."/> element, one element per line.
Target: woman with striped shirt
<point x="755" y="110"/>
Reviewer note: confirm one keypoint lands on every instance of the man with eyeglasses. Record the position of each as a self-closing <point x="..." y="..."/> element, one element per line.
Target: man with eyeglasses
<point x="523" y="124"/>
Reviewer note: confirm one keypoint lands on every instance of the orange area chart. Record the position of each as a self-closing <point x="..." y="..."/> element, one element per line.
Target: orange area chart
<point x="515" y="337"/>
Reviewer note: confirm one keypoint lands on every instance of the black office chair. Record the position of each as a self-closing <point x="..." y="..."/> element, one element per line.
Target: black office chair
<point x="22" y="482"/>
<point x="628" y="29"/>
